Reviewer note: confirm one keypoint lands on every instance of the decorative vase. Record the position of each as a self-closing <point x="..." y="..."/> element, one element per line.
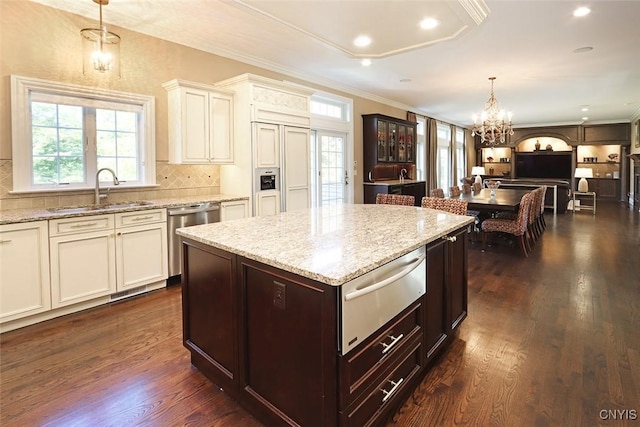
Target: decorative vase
<point x="537" y="145"/>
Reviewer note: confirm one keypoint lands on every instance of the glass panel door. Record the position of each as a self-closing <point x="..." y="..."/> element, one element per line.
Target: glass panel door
<point x="331" y="173"/>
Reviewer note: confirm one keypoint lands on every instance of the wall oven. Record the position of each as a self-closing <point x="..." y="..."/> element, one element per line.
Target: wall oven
<point x="371" y="300"/>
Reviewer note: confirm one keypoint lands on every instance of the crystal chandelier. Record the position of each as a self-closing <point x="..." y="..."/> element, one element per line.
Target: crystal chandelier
<point x="493" y="128"/>
<point x="101" y="47"/>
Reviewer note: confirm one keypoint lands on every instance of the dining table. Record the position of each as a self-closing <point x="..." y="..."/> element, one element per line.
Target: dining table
<point x="505" y="199"/>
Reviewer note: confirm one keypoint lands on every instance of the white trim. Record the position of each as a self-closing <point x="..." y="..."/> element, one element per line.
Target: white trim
<point x="21" y="91"/>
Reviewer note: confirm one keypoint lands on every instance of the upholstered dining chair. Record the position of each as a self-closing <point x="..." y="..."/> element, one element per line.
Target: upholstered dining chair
<point x="454" y="191"/>
<point x="517" y="227"/>
<point x="466" y="188"/>
<point x="454" y="206"/>
<point x="395" y="199"/>
<point x="436" y="192"/>
<point x="477" y="186"/>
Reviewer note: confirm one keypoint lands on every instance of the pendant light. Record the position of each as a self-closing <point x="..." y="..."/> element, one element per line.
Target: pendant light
<point x="101" y="48"/>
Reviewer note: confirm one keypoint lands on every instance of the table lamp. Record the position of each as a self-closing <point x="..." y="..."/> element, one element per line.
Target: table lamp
<point x="583" y="173"/>
<point x="477" y="171"/>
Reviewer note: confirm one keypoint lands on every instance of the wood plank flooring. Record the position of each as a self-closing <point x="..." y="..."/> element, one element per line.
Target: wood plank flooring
<point x="550" y="340"/>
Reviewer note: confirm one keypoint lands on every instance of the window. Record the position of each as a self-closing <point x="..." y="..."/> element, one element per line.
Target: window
<point x="421" y="149"/>
<point x="443" y="159"/>
<point x="73" y="131"/>
<point x="461" y="159"/>
<point x="329" y="108"/>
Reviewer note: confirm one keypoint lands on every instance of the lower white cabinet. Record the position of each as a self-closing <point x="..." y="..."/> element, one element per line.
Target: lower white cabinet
<point x="24" y="270"/>
<point x="267" y="202"/>
<point x="83" y="261"/>
<point x="235" y="209"/>
<point x="141" y="248"/>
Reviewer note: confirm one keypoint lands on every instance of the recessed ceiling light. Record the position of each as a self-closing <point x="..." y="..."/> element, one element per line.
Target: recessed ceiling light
<point x="585" y="109"/>
<point x="585" y="118"/>
<point x="581" y="11"/>
<point x="429" y="23"/>
<point x="583" y="49"/>
<point x="405" y="80"/>
<point x="365" y="62"/>
<point x="362" y="41"/>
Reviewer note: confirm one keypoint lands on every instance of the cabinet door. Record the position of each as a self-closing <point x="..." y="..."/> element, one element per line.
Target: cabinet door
<point x="457" y="278"/>
<point x="141" y="254"/>
<point x="24" y="291"/>
<point x="296" y="190"/>
<point x="267" y="203"/>
<point x="436" y="329"/>
<point x="221" y="128"/>
<point x="83" y="267"/>
<point x="267" y="145"/>
<point x="236" y="209"/>
<point x="382" y="143"/>
<point x="393" y="141"/>
<point x="195" y="125"/>
<point x="402" y="140"/>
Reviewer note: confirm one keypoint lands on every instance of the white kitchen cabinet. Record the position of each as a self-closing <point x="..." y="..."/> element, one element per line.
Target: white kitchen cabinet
<point x="267" y="145"/>
<point x="267" y="203"/>
<point x="297" y="175"/>
<point x="200" y="121"/>
<point x="83" y="264"/>
<point x="141" y="248"/>
<point x="235" y="209"/>
<point x="24" y="270"/>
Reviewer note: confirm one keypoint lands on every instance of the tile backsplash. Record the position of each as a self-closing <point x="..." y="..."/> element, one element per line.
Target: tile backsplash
<point x="172" y="181"/>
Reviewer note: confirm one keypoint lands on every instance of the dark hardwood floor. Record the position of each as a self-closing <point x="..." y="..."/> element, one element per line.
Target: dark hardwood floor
<point x="552" y="339"/>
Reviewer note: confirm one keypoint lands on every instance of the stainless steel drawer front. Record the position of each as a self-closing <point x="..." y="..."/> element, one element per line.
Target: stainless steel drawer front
<point x="371" y="300"/>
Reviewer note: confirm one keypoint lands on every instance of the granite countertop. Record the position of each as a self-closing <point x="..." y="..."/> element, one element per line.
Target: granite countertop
<point x="11" y="216"/>
<point x="393" y="182"/>
<point x="331" y="244"/>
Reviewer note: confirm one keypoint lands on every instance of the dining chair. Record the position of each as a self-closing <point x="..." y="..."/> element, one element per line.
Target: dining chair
<point x="454" y="191"/>
<point x="516" y="227"/>
<point x="454" y="206"/>
<point x="395" y="199"/>
<point x="477" y="186"/>
<point x="437" y="192"/>
<point x="466" y="188"/>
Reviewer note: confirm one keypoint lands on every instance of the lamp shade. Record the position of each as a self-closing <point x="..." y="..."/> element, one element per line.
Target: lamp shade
<point x="583" y="173"/>
<point x="479" y="170"/>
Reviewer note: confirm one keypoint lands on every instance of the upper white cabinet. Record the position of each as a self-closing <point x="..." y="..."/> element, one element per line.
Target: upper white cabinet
<point x="24" y="270"/>
<point x="200" y="123"/>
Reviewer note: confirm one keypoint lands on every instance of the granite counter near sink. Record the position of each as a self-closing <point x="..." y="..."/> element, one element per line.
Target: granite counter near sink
<point x="11" y="216"/>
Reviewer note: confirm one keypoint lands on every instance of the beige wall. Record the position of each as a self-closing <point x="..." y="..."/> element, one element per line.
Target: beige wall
<point x="42" y="42"/>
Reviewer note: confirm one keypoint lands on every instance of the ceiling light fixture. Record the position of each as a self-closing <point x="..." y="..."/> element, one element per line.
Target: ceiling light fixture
<point x="581" y="11"/>
<point x="101" y="48"/>
<point x="360" y="41"/>
<point x="429" y="23"/>
<point x="365" y="62"/>
<point x="493" y="127"/>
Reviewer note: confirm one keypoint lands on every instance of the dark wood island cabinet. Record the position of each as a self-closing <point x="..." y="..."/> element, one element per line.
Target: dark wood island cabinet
<point x="268" y="332"/>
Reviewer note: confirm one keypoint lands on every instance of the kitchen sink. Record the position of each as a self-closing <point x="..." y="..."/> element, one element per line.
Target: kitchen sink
<point x="96" y="208"/>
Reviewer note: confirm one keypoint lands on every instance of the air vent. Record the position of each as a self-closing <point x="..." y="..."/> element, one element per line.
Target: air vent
<point x="128" y="293"/>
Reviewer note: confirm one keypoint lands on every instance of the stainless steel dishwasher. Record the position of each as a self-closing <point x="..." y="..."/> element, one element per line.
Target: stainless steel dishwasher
<point x="186" y="216"/>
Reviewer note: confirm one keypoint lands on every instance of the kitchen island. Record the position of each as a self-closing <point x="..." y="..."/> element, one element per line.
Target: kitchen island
<point x="264" y="311"/>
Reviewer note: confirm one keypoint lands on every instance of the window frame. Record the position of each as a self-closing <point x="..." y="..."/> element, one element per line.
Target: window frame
<point x="21" y="90"/>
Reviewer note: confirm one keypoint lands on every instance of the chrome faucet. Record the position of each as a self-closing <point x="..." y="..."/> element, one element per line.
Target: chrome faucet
<point x="104" y="196"/>
<point x="402" y="174"/>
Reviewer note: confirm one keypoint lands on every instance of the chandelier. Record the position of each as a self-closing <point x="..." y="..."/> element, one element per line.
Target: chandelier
<point x="493" y="128"/>
<point x="101" y="47"/>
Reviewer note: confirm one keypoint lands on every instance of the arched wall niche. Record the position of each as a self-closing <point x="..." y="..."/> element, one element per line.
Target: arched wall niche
<point x="529" y="144"/>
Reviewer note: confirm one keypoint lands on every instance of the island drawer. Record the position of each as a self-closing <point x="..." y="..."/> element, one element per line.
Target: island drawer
<point x="386" y="392"/>
<point x="364" y="364"/>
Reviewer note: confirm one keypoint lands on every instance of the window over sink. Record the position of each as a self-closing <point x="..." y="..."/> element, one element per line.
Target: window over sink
<point x="63" y="133"/>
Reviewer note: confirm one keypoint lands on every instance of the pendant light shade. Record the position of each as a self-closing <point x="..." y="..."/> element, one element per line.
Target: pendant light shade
<point x="100" y="48"/>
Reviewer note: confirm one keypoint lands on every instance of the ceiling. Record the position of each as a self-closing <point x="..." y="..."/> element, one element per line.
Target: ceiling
<point x="528" y="45"/>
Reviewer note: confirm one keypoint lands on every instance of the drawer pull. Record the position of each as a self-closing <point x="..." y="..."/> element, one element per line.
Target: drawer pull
<point x="5" y="241"/>
<point x="89" y="224"/>
<point x="394" y="341"/>
<point x="388" y="394"/>
<point x="142" y="218"/>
